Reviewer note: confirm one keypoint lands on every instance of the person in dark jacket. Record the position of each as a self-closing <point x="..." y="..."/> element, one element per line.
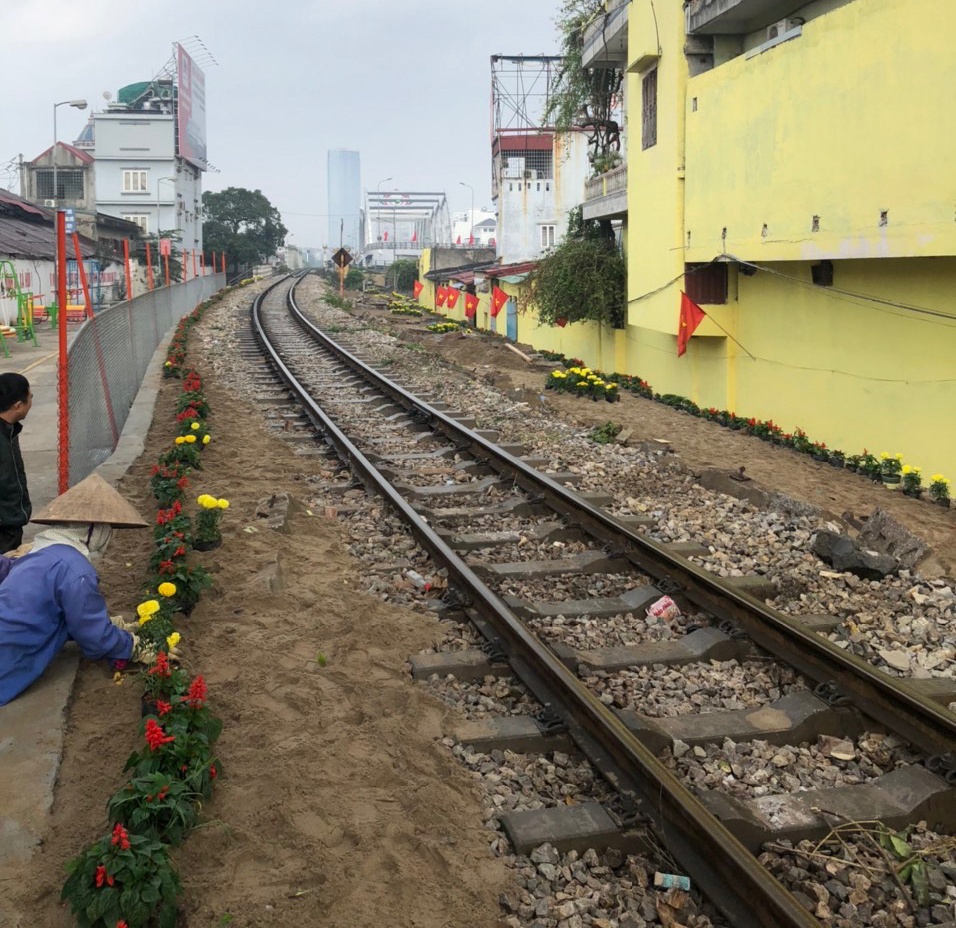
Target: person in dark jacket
<point x="15" y="402"/>
<point x="52" y="595"/>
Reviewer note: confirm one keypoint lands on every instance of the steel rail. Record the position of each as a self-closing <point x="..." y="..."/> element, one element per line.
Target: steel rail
<point x="719" y="864"/>
<point x="893" y="702"/>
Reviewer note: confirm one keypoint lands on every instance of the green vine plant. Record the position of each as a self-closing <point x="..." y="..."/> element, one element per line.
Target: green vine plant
<point x="582" y="279"/>
<point x="585" y="98"/>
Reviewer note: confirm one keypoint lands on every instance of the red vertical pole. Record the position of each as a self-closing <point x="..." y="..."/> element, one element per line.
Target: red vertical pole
<point x="83" y="282"/>
<point x="149" y="266"/>
<point x="224" y="262"/>
<point x="195" y="274"/>
<point x="166" y="267"/>
<point x="62" y="381"/>
<point x="185" y="266"/>
<point x="129" y="272"/>
<point x="202" y="262"/>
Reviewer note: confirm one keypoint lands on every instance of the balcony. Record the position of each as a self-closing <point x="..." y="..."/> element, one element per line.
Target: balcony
<point x="736" y="17"/>
<point x="605" y="40"/>
<point x="605" y="196"/>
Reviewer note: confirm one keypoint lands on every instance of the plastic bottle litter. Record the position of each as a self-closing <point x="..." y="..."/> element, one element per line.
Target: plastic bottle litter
<point x="664" y="608"/>
<point x="416" y="579"/>
<point x="671" y="881"/>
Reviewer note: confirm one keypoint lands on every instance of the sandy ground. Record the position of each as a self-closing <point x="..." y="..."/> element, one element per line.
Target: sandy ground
<point x="338" y="806"/>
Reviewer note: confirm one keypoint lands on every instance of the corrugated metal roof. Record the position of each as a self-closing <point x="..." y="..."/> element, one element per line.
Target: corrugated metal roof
<point x="27" y="231"/>
<point x="510" y="270"/>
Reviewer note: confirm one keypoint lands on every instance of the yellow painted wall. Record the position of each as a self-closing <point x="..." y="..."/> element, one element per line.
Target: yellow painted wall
<point x="846" y="120"/>
<point x="427" y="297"/>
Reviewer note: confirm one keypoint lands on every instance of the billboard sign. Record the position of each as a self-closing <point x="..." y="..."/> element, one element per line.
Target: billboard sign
<point x="191" y="123"/>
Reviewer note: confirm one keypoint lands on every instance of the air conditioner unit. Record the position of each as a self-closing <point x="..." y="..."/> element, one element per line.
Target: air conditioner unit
<point x="50" y="204"/>
<point x="775" y="30"/>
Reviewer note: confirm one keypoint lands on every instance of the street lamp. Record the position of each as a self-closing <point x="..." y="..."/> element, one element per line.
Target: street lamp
<point x="471" y="215"/>
<point x="80" y="105"/>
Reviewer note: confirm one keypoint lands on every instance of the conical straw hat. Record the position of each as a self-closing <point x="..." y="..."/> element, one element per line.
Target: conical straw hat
<point x="91" y="500"/>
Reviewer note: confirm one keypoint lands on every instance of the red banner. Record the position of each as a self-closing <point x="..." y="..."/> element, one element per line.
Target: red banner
<point x="471" y="304"/>
<point x="451" y="297"/>
<point x="440" y="295"/>
<point x="498" y="299"/>
<point x="417" y="288"/>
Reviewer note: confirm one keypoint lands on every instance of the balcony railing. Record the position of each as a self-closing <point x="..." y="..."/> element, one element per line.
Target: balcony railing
<point x="605" y="196"/>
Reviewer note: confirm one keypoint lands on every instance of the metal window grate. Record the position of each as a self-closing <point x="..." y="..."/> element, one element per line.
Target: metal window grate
<point x="649" y="110"/>
<point x="525" y="164"/>
<point x="69" y="184"/>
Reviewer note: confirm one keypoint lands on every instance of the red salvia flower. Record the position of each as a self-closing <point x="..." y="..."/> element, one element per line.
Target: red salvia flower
<point x="161" y="667"/>
<point x="197" y="693"/>
<point x="122" y="923"/>
<point x="167" y="567"/>
<point x="120" y="837"/>
<point x="155" y="736"/>
<point x="212" y="771"/>
<point x="103" y="877"/>
<point x="182" y="483"/>
<point x="163" y="707"/>
<point x="179" y="552"/>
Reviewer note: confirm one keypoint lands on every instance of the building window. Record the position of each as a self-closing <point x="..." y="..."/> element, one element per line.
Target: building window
<point x="547" y="236"/>
<point x="69" y="184"/>
<point x="141" y="219"/>
<point x="134" y="182"/>
<point x="649" y="112"/>
<point x="706" y="283"/>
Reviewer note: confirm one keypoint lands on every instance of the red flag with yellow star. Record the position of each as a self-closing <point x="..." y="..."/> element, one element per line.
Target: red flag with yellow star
<point x="451" y="297"/>
<point x="498" y="299"/>
<point x="471" y="304"/>
<point x="417" y="288"/>
<point x="691" y="316"/>
<point x="440" y="295"/>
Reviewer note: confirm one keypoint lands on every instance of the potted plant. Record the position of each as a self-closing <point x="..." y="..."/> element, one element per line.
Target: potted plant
<point x="939" y="490"/>
<point x="169" y="483"/>
<point x="185" y="450"/>
<point x="124" y="879"/>
<point x="190" y="582"/>
<point x="891" y="466"/>
<point x="208" y="534"/>
<point x="912" y="481"/>
<point x="155" y="806"/>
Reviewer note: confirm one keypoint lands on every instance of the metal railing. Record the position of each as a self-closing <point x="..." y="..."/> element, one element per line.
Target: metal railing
<point x="107" y="363"/>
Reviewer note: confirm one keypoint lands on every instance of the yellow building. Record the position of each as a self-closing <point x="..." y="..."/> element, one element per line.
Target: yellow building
<point x="787" y="165"/>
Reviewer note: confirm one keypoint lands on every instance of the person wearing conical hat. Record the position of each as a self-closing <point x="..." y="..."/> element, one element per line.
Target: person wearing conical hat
<point x="51" y="595"/>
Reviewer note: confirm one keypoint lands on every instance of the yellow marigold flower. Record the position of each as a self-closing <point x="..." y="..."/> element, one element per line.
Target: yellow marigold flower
<point x="173" y="639"/>
<point x="143" y="619"/>
<point x="205" y="439"/>
<point x="194" y="426"/>
<point x="907" y="469"/>
<point x="189" y="439"/>
<point x="150" y="607"/>
<point x="179" y="439"/>
<point x="169" y="364"/>
<point x="582" y="383"/>
<point x="206" y="501"/>
<point x="166" y="589"/>
<point x="223" y="504"/>
<point x="612" y="386"/>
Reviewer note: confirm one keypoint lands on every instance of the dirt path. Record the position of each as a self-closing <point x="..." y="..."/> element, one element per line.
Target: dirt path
<point x="338" y="805"/>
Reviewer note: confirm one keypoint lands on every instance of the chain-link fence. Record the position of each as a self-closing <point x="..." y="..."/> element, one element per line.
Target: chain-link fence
<point x="107" y="362"/>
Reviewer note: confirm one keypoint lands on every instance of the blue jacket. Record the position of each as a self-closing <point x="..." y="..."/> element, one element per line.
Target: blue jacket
<point x="47" y="598"/>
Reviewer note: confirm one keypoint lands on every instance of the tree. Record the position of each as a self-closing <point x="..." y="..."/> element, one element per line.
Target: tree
<point x="585" y="98"/>
<point x="583" y="279"/>
<point x="243" y="224"/>
<point x="401" y="275"/>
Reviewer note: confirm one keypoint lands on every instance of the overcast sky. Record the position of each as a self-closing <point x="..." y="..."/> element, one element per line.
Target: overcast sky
<point x="407" y="83"/>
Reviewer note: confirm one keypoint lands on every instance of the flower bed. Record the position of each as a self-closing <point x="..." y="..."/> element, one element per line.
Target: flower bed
<point x="581" y="380"/>
<point x="127" y="879"/>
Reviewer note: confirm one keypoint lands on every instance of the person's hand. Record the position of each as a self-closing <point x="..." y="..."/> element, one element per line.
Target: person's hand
<point x="120" y="623"/>
<point x="145" y="651"/>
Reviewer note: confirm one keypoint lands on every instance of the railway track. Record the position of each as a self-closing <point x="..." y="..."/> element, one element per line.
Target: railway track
<point x="473" y="504"/>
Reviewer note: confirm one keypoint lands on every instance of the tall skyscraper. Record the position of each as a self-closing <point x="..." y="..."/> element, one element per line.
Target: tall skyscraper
<point x="345" y="199"/>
